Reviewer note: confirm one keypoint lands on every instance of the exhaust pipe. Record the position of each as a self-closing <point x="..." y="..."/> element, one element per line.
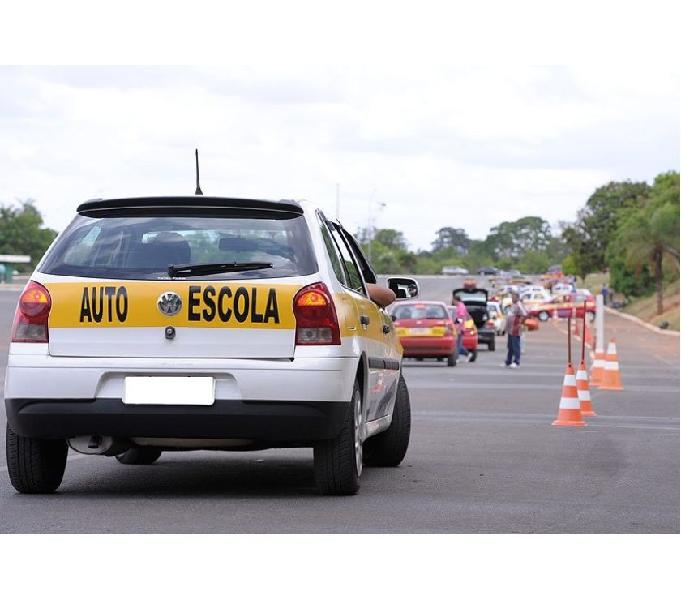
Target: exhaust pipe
<point x="97" y="444"/>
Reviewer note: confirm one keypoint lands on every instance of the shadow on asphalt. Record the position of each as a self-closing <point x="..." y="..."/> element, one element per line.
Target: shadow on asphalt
<point x="272" y="478"/>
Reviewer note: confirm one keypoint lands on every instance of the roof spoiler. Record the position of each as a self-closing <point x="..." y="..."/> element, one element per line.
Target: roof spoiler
<point x="93" y="207"/>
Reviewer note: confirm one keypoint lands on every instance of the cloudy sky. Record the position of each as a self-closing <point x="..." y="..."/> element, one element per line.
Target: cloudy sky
<point x="419" y="149"/>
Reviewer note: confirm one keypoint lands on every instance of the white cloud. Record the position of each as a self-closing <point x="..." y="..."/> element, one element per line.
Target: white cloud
<point x="467" y="147"/>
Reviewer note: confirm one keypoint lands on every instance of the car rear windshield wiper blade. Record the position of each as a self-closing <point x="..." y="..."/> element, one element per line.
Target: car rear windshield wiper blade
<point x="215" y="268"/>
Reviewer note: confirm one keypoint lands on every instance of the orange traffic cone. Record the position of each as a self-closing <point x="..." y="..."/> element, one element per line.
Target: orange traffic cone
<point x="611" y="370"/>
<point x="583" y="392"/>
<point x="569" y="413"/>
<point x="597" y="369"/>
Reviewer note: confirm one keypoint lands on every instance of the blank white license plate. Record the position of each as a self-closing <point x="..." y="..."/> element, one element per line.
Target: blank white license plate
<point x="191" y="391"/>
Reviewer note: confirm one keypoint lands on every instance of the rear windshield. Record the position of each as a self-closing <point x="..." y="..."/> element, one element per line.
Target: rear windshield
<point x="143" y="247"/>
<point x="414" y="311"/>
<point x="475" y="297"/>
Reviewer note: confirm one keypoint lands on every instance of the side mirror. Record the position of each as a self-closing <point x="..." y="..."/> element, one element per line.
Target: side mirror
<point x="403" y="287"/>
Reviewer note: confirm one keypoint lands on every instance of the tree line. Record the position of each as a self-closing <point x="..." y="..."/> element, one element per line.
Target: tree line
<point x="526" y="244"/>
<point x="629" y="228"/>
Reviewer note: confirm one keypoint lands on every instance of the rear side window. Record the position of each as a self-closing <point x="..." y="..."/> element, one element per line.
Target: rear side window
<point x="352" y="270"/>
<point x="143" y="247"/>
<point x="332" y="251"/>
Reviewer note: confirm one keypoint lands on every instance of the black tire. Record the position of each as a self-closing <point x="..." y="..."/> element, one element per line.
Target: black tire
<point x="451" y="359"/>
<point x="492" y="345"/>
<point x="35" y="466"/>
<point x="474" y="354"/>
<point x="388" y="448"/>
<point x="336" y="465"/>
<point x="139" y="456"/>
<point x="440" y="358"/>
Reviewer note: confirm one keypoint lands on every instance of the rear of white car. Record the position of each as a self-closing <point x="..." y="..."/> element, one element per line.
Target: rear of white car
<point x="186" y="323"/>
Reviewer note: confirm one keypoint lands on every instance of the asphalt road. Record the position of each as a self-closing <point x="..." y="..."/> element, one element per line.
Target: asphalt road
<point x="483" y="458"/>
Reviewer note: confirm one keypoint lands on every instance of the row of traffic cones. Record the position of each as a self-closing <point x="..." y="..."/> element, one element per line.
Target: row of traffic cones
<point x="575" y="400"/>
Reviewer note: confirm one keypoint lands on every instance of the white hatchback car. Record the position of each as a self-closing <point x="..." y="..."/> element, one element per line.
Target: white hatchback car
<point x="181" y="323"/>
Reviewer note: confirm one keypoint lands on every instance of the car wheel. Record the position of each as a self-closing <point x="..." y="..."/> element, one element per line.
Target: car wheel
<point x="388" y="448"/>
<point x="451" y="359"/>
<point x="139" y="456"/>
<point x="440" y="358"/>
<point x="474" y="354"/>
<point x="543" y="316"/>
<point x="338" y="462"/>
<point x="35" y="466"/>
<point x="492" y="345"/>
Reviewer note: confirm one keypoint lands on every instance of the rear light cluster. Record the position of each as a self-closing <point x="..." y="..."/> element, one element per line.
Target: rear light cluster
<point x="316" y="320"/>
<point x="30" y="318"/>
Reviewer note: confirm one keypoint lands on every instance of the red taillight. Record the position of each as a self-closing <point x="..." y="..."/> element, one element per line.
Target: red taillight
<point x="316" y="320"/>
<point x="30" y="318"/>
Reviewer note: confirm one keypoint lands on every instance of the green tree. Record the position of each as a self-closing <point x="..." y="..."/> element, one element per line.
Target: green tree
<point x="22" y="231"/>
<point x="512" y="239"/>
<point x="589" y="236"/>
<point x="450" y="237"/>
<point x="391" y="238"/>
<point x="647" y="233"/>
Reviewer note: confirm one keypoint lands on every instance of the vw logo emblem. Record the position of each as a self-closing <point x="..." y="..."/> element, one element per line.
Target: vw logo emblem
<point x="169" y="303"/>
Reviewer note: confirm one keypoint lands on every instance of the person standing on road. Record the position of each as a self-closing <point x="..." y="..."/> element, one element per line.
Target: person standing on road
<point x="604" y="293"/>
<point x="461" y="316"/>
<point x="515" y="317"/>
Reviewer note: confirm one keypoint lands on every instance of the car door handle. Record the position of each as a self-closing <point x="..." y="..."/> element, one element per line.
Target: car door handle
<point x="364" y="320"/>
<point x="386" y="329"/>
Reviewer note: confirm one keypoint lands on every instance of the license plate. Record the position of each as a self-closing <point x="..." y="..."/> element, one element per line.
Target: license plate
<point x="175" y="391"/>
<point x="421" y="331"/>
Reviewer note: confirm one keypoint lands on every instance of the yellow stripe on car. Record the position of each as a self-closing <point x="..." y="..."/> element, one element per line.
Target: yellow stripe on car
<point x="203" y="304"/>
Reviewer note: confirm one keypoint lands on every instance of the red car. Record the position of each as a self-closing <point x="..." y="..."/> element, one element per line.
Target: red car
<point x="564" y="306"/>
<point x="425" y="330"/>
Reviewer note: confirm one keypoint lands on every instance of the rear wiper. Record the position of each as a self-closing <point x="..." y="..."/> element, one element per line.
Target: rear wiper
<point x="215" y="268"/>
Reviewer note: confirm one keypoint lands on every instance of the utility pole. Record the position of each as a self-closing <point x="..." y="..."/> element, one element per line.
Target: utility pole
<point x="372" y="227"/>
<point x="338" y="202"/>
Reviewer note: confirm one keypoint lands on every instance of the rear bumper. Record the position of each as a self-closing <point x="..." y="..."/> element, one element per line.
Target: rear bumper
<point x="270" y="423"/>
<point x="486" y="335"/>
<point x="427" y="346"/>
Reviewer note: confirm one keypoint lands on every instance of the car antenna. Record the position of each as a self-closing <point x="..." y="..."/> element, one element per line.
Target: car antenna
<point x="198" y="191"/>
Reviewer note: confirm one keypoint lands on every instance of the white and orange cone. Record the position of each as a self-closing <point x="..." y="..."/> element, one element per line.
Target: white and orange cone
<point x="611" y="370"/>
<point x="569" y="412"/>
<point x="597" y="369"/>
<point x="583" y="393"/>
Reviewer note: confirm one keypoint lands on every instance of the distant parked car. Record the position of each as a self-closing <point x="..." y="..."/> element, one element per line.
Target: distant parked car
<point x="454" y="271"/>
<point x="561" y="288"/>
<point x="487" y="271"/>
